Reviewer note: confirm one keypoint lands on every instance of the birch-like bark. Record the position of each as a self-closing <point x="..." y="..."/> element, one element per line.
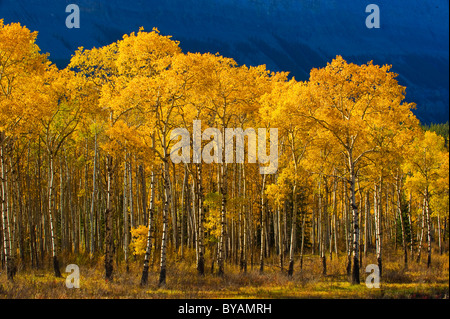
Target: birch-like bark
<point x="293" y="226"/>
<point x="50" y="214"/>
<point x="410" y="227"/>
<point x="63" y="227"/>
<point x="323" y="207"/>
<point x="10" y="267"/>
<point x="246" y="223"/>
<point x="143" y="193"/>
<point x="263" y="217"/>
<point x="223" y="225"/>
<point x="125" y="212"/>
<point x="144" y="278"/>
<point x="421" y="231"/>
<point x="355" y="215"/>
<point x="439" y="233"/>
<point x="347" y="229"/>
<point x="109" y="235"/>
<point x="183" y="210"/>
<point x="173" y="209"/>
<point x="280" y="240"/>
<point x="366" y="223"/>
<point x="201" y="234"/>
<point x="303" y="241"/>
<point x="377" y="215"/>
<point x="402" y="221"/>
<point x="130" y="189"/>
<point x="163" y="264"/>
<point x="31" y="224"/>
<point x="335" y="184"/>
<point x="428" y="213"/>
<point x="94" y="191"/>
<point x="313" y="228"/>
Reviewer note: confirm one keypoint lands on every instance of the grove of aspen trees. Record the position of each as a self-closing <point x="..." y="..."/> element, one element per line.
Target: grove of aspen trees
<point x="86" y="167"/>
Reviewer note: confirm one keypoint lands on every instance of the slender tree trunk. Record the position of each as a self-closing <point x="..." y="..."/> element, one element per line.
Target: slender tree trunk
<point x="20" y="210"/>
<point x="313" y="227"/>
<point x="355" y="215"/>
<point x="126" y="230"/>
<point x="377" y="215"/>
<point x="252" y="235"/>
<point x="162" y="274"/>
<point x="325" y="231"/>
<point x="10" y="267"/>
<point x="322" y="226"/>
<point x="201" y="234"/>
<point x="144" y="278"/>
<point x="31" y="223"/>
<point x="246" y="223"/>
<point x="439" y="233"/>
<point x="410" y="227"/>
<point x="280" y="240"/>
<point x="303" y="240"/>
<point x="11" y="209"/>
<point x="130" y="189"/>
<point x="184" y="206"/>
<point x="109" y="235"/>
<point x="143" y="193"/>
<point x="223" y="187"/>
<point x="402" y="221"/>
<point x="421" y="232"/>
<point x="63" y="227"/>
<point x="173" y="210"/>
<point x="335" y="184"/>
<point x="194" y="218"/>
<point x="241" y="219"/>
<point x="263" y="217"/>
<point x="347" y="230"/>
<point x="427" y="210"/>
<point x="444" y="230"/>
<point x="366" y="223"/>
<point x="50" y="213"/>
<point x="94" y="191"/>
<point x="293" y="230"/>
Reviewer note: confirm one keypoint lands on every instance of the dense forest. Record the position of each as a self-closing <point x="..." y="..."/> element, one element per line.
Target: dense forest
<point x="86" y="162"/>
<point x="441" y="129"/>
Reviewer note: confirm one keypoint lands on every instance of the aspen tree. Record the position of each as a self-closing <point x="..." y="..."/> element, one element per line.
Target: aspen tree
<point x="355" y="104"/>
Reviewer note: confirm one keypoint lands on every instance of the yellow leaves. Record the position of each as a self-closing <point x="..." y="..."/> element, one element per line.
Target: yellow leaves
<point x="138" y="245"/>
<point x="277" y="192"/>
<point x="98" y="64"/>
<point x="21" y="72"/>
<point x="81" y="193"/>
<point x="125" y="136"/>
<point x="427" y="165"/>
<point x="351" y="96"/>
<point x="133" y="92"/>
<point x="287" y="178"/>
<point x="212" y="217"/>
<point x="361" y="107"/>
<point x="284" y="102"/>
<point x="146" y="53"/>
<point x="17" y="43"/>
<point x="125" y="84"/>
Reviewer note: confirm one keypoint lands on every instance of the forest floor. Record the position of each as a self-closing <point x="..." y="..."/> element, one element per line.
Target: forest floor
<point x="183" y="282"/>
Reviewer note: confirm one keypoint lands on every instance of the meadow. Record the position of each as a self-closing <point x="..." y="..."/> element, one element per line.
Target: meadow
<point x="183" y="281"/>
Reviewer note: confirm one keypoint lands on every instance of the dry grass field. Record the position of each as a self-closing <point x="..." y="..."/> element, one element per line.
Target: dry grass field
<point x="183" y="282"/>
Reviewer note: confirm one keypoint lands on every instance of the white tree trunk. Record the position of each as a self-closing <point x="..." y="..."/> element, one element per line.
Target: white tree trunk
<point x="144" y="278"/>
<point x="10" y="268"/>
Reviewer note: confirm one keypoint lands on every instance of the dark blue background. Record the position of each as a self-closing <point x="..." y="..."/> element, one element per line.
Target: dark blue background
<point x="286" y="35"/>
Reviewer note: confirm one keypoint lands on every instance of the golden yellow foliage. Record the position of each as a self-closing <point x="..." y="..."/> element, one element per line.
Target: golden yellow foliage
<point x="138" y="243"/>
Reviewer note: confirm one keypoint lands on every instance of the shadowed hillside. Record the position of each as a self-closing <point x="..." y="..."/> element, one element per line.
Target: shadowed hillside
<point x="286" y="35"/>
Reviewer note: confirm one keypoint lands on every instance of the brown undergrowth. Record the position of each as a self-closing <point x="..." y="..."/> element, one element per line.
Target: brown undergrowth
<point x="415" y="281"/>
